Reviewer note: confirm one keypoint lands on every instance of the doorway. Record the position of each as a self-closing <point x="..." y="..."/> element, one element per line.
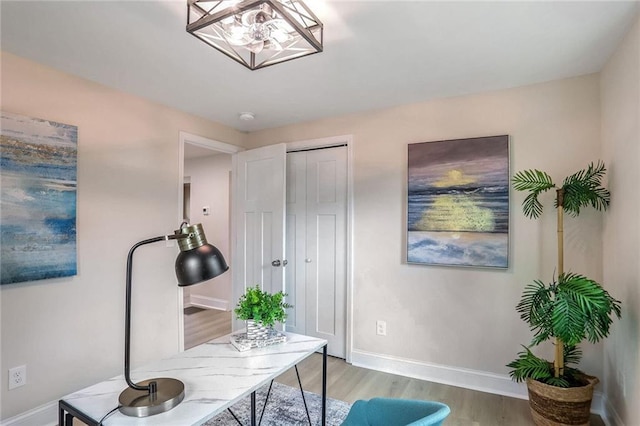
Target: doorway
<point x="204" y="197"/>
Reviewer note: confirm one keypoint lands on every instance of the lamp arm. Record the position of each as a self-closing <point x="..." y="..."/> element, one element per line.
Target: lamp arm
<point x="127" y="318"/>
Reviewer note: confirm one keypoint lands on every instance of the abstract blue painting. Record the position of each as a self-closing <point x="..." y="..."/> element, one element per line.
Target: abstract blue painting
<point x="458" y="202"/>
<point x="38" y="160"/>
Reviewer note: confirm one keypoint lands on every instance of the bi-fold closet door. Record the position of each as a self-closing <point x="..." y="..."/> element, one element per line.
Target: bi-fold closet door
<point x="316" y="246"/>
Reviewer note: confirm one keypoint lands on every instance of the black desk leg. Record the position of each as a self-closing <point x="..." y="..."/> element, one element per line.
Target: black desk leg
<point x="253" y="408"/>
<point x="60" y="415"/>
<point x="67" y="412"/>
<point x="324" y="385"/>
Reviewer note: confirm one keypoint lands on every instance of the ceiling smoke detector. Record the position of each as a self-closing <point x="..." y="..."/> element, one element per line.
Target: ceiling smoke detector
<point x="246" y="116"/>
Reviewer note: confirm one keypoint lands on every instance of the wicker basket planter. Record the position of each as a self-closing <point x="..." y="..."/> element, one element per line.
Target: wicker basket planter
<point x="554" y="406"/>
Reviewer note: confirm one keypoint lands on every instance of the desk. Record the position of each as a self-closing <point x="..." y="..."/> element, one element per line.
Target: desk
<point x="215" y="376"/>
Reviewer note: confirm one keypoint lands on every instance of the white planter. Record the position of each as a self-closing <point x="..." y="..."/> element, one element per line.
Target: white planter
<point x="256" y="331"/>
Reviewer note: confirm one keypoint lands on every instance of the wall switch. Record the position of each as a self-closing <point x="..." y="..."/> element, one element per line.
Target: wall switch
<point x="17" y="377"/>
<point x="206" y="210"/>
<point x="381" y="328"/>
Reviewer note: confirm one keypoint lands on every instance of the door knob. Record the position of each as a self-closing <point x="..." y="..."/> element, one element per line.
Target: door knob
<point x="276" y="263"/>
<point x="307" y="260"/>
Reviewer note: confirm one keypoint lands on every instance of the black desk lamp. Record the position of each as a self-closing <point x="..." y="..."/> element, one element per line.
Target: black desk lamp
<point x="198" y="261"/>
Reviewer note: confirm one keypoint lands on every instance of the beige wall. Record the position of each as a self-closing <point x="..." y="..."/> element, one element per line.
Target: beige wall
<point x="69" y="332"/>
<point x="210" y="186"/>
<point x="450" y="316"/>
<point x="620" y="88"/>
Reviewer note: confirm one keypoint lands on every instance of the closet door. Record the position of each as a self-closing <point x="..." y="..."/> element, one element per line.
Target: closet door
<point x="296" y="239"/>
<point x="316" y="244"/>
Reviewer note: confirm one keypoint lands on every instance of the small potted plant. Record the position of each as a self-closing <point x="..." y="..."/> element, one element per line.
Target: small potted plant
<point x="261" y="310"/>
<point x="567" y="311"/>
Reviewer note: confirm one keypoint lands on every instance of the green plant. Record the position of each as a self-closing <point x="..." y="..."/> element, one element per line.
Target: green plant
<point x="574" y="307"/>
<point x="262" y="307"/>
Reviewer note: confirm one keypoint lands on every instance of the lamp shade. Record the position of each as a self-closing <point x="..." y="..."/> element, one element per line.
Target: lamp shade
<point x="198" y="260"/>
<point x="199" y="264"/>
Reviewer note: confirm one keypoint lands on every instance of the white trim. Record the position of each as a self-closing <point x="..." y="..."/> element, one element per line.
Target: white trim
<point x="455" y="376"/>
<point x="610" y="415"/>
<point x="44" y="415"/>
<point x="597" y="404"/>
<point x="207" y="143"/>
<point x="482" y="381"/>
<point x="213" y="145"/>
<point x="319" y="143"/>
<point x="208" y="302"/>
<point x="328" y="142"/>
<point x="350" y="251"/>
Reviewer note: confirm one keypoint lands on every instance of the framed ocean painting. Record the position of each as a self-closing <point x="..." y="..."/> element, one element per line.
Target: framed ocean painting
<point x="38" y="193"/>
<point x="458" y="202"/>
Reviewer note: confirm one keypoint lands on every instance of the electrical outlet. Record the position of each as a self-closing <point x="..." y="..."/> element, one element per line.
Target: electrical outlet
<point x="17" y="377"/>
<point x="381" y="328"/>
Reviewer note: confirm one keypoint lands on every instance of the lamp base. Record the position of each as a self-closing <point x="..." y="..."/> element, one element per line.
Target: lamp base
<point x="137" y="403"/>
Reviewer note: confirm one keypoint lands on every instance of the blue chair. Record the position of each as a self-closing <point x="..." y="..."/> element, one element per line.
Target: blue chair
<point x="396" y="412"/>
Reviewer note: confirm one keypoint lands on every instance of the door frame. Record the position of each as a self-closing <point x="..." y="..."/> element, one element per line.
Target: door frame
<point x="213" y="145"/>
<point x="326" y="143"/>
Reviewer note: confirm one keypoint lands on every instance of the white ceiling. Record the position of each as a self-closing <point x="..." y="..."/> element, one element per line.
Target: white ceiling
<point x="377" y="54"/>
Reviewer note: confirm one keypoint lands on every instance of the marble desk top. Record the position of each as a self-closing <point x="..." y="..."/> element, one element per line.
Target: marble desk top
<point x="215" y="375"/>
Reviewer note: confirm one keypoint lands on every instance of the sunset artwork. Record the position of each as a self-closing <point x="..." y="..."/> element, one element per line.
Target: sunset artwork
<point x="458" y="202"/>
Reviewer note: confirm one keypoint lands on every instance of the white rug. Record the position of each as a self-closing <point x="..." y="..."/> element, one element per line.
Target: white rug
<point x="284" y="408"/>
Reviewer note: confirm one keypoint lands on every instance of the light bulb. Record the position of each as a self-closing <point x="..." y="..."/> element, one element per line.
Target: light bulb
<point x="259" y="32"/>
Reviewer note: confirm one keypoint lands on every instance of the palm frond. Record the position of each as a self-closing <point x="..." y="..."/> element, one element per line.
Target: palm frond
<point x="584" y="188"/>
<point x="582" y="309"/>
<point x="531" y="206"/>
<point x="527" y="365"/>
<point x="535" y="308"/>
<point x="560" y="382"/>
<point x="535" y="182"/>
<point x="572" y="354"/>
<point x="532" y="180"/>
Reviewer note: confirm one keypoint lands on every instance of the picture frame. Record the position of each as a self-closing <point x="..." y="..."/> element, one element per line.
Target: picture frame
<point x="458" y="202"/>
<point x="39" y="191"/>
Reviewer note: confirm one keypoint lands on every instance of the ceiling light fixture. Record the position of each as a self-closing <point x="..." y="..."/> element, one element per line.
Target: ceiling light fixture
<point x="256" y="33"/>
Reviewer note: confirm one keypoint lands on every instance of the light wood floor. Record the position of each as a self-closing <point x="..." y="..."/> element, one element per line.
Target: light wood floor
<point x="204" y="325"/>
<point x="348" y="383"/>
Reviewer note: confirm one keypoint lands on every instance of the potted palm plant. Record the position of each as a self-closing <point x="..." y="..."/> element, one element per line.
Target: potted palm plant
<point x="261" y="310"/>
<point x="567" y="311"/>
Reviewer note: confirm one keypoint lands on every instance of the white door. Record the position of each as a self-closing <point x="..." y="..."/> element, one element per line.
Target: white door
<point x="316" y="244"/>
<point x="258" y="220"/>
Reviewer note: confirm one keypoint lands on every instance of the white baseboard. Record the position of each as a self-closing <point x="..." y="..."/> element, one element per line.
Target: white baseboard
<point x="455" y="376"/>
<point x="208" y="302"/>
<point x="45" y="415"/>
<point x="610" y="415"/>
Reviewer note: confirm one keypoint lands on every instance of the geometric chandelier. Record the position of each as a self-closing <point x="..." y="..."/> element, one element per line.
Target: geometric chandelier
<point x="256" y="33"/>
